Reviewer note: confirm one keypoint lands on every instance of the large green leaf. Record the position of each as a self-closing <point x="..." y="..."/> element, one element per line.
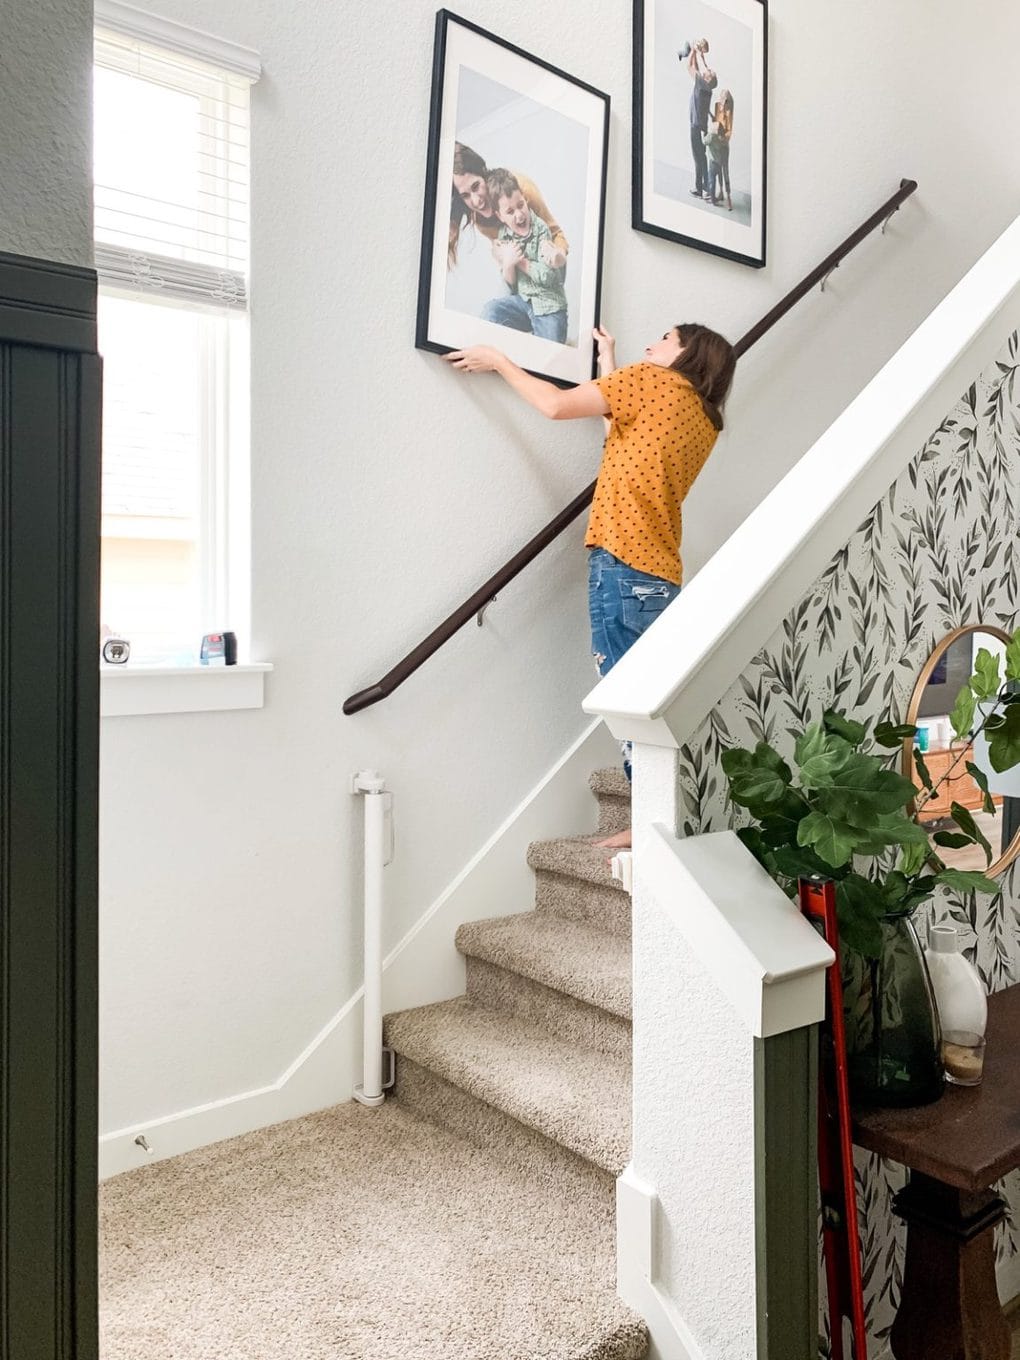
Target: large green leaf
<point x="981" y="780"/>
<point x="751" y="837"/>
<point x="841" y="726"/>
<point x="911" y="861"/>
<point x="818" y="754"/>
<point x="768" y="759"/>
<point x="860" y="904"/>
<point x="953" y="840"/>
<point x="967" y="824"/>
<point x="735" y="760"/>
<point x="964" y="880"/>
<point x="758" y="779"/>
<point x="895" y="889"/>
<point x="780" y="828"/>
<point x="890" y="735"/>
<point x="862" y="789"/>
<point x="861" y="934"/>
<point x="1004" y="742"/>
<point x="921" y="766"/>
<point x="1013" y="657"/>
<point x="800" y="862"/>
<point x="962" y="716"/>
<point x="756" y="787"/>
<point x="833" y="841"/>
<point x="985" y="680"/>
<point x="891" y="828"/>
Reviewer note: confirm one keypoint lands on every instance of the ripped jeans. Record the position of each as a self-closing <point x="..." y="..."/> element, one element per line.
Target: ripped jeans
<point x="622" y="603"/>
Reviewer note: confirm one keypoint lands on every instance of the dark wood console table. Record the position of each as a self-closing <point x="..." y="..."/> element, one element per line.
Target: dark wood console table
<point x="956" y="1150"/>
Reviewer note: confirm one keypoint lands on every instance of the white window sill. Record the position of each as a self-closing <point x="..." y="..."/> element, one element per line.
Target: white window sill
<point x="134" y="690"/>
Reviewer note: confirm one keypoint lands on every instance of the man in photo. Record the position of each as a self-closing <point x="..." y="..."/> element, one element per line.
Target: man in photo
<point x="705" y="81"/>
<point x="537" y="301"/>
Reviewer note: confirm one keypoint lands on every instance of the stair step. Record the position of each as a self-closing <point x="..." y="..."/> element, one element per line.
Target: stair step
<point x="578" y="1097"/>
<point x="574" y="857"/>
<point x="612" y="782"/>
<point x="612" y="790"/>
<point x="629" y="1341"/>
<point x="572" y="880"/>
<point x="584" y="963"/>
<point x="500" y="990"/>
<point x="605" y="908"/>
<point x="521" y="1148"/>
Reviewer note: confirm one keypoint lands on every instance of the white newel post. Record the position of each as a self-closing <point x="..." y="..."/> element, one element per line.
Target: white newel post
<point x="722" y="961"/>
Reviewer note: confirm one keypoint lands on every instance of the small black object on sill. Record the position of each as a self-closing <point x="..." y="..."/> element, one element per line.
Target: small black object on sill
<point x="219" y="649"/>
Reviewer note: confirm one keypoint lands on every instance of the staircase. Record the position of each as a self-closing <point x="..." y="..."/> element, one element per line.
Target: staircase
<point x="534" y="1061"/>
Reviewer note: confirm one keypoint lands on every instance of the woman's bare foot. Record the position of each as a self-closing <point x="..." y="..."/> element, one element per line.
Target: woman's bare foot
<point x="621" y="841"/>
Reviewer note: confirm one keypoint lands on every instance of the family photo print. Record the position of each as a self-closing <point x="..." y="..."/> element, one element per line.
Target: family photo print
<point x="514" y="206"/>
<point x="700" y="85"/>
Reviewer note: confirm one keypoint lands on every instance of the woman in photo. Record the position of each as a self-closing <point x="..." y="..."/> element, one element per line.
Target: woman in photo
<point x="717" y="144"/>
<point x="664" y="416"/>
<point x="471" y="206"/>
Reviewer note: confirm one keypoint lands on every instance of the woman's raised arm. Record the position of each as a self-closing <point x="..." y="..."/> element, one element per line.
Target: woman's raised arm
<point x="552" y="401"/>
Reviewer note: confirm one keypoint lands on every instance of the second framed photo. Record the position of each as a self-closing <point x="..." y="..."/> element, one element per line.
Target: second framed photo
<point x="700" y="96"/>
<point x="514" y="205"/>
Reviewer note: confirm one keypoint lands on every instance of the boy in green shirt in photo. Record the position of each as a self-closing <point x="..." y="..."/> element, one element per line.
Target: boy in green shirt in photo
<point x="537" y="302"/>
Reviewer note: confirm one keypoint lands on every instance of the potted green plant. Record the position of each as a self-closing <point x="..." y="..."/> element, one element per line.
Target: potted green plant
<point x="841" y="811"/>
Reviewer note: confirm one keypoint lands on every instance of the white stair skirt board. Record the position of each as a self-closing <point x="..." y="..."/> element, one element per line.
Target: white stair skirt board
<point x="425" y="967"/>
<point x="636" y="1271"/>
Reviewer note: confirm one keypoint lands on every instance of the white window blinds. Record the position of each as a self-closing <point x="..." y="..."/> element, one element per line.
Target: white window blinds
<point x="171" y="172"/>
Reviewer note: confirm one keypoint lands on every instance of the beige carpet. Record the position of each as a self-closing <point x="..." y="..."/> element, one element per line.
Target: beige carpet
<point x="351" y="1234"/>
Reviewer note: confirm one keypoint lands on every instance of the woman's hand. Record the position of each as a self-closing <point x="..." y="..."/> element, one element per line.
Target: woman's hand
<point x="607" y="349"/>
<point x="551" y="255"/>
<point x="476" y="359"/>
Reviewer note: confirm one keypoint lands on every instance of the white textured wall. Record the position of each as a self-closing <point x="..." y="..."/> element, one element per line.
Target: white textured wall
<point x="386" y="487"/>
<point x="45" y="129"/>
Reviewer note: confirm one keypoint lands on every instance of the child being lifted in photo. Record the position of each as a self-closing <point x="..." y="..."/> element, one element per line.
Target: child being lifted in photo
<point x="537" y="302"/>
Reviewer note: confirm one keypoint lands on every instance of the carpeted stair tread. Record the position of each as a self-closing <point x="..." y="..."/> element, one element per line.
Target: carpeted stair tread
<point x="356" y="1233"/>
<point x="576" y="1096"/>
<point x="626" y="1342"/>
<point x="612" y="782"/>
<point x="574" y="857"/>
<point x="583" y="962"/>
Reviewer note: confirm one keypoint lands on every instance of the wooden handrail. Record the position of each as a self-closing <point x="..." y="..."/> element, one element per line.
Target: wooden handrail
<point x="486" y="593"/>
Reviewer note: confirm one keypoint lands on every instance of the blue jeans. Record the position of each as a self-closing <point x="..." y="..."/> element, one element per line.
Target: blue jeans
<point x="517" y="313"/>
<point x="622" y="603"/>
<point x="700" y="160"/>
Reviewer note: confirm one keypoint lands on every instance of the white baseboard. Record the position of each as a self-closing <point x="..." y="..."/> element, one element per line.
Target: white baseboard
<point x="423" y="968"/>
<point x="636" y="1209"/>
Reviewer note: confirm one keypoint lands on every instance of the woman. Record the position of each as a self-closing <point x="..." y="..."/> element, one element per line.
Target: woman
<point x="664" y="416"/>
<point x="717" y="144"/>
<point x="471" y="203"/>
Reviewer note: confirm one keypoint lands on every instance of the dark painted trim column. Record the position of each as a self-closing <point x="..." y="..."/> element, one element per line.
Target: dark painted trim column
<point x="49" y="744"/>
<point x="786" y="1212"/>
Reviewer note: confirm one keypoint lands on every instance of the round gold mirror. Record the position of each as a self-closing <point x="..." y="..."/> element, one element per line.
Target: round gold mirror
<point x="946" y="671"/>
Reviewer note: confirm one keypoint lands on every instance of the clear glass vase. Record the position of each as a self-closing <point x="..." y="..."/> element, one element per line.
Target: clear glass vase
<point x="893" y="1039"/>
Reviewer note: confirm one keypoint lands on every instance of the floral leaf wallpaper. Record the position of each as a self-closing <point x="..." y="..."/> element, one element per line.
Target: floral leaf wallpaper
<point x="940" y="550"/>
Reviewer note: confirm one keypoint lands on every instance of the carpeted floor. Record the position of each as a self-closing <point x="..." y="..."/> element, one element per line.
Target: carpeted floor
<point x="351" y="1234"/>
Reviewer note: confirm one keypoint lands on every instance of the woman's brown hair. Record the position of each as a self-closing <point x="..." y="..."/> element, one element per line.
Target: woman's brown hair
<point x="707" y="362"/>
<point x="465" y="162"/>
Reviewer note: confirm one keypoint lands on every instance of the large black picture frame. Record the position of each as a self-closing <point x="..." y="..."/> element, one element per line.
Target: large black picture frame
<point x="666" y="175"/>
<point x="552" y="135"/>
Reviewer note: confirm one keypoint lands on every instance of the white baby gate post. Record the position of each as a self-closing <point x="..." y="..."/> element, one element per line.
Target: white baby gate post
<point x="378" y="853"/>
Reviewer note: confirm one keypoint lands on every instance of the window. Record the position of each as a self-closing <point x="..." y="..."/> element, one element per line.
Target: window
<point x="171" y="159"/>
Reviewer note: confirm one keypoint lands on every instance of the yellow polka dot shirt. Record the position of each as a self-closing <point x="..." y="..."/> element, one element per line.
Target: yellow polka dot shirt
<point x="658" y="441"/>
